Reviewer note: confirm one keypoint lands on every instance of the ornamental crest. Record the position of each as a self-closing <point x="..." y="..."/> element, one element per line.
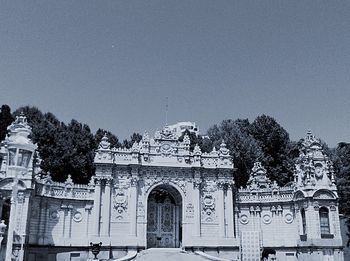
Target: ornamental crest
<point x="208" y="208"/>
<point x="120" y="202"/>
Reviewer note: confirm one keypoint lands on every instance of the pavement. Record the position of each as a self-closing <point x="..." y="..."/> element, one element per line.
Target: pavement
<point x="167" y="254"/>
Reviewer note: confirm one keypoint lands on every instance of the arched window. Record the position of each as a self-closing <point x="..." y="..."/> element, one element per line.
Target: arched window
<point x="303" y="220"/>
<point x="324" y="221"/>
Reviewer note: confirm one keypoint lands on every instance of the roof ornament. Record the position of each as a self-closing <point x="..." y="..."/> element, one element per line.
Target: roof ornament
<point x="19" y="123"/>
<point x="69" y="181"/>
<point x="223" y="149"/>
<point x="197" y="150"/>
<point x="104" y="144"/>
<point x="258" y="177"/>
<point x="311" y="142"/>
<point x="186" y="140"/>
<point x="135" y="147"/>
<point x="145" y="137"/>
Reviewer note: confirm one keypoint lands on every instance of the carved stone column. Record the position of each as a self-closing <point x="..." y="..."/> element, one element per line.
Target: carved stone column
<point x="96" y="209"/>
<point x="197" y="207"/>
<point x="133" y="206"/>
<point x="88" y="214"/>
<point x="106" y="208"/>
<point x="229" y="208"/>
<point x="69" y="221"/>
<point x="42" y="220"/>
<point x="221" y="209"/>
<point x="12" y="223"/>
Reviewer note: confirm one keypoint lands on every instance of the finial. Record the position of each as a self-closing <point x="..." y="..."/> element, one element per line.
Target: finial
<point x="145" y="137"/>
<point x="69" y="180"/>
<point x="309" y="135"/>
<point x="223" y="148"/>
<point x="197" y="150"/>
<point x="186" y="140"/>
<point x="104" y="144"/>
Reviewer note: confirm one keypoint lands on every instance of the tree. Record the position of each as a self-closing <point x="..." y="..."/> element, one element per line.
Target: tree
<point x="6" y="119"/>
<point x="63" y="149"/>
<point x="244" y="149"/>
<point x="135" y="137"/>
<point x="274" y="141"/>
<point x="341" y="160"/>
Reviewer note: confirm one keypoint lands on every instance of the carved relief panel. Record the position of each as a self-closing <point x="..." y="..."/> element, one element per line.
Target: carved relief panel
<point x="208" y="202"/>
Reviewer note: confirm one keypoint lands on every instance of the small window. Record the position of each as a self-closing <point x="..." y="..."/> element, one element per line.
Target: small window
<point x="303" y="221"/>
<point x="324" y="220"/>
<point x="12" y="155"/>
<point x="23" y="158"/>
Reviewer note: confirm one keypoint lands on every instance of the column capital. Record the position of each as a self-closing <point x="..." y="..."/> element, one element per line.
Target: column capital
<point x="134" y="181"/>
<point x="109" y="181"/>
<point x="98" y="180"/>
<point x="197" y="183"/>
<point x="221" y="185"/>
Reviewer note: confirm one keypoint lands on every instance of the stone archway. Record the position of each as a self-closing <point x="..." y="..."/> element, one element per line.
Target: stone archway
<point x="164" y="217"/>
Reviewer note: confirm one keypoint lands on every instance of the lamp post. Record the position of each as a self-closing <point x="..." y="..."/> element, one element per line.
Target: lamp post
<point x="2" y="231"/>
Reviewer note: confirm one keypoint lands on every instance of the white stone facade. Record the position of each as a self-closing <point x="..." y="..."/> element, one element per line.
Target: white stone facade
<point x="160" y="194"/>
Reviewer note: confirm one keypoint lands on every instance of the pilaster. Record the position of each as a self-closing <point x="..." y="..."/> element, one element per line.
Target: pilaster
<point x="97" y="207"/>
<point x="106" y="207"/>
<point x="197" y="204"/>
<point x="221" y="209"/>
<point x="133" y="204"/>
<point x="229" y="208"/>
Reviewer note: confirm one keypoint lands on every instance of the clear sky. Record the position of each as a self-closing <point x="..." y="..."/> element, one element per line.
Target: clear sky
<point x="111" y="64"/>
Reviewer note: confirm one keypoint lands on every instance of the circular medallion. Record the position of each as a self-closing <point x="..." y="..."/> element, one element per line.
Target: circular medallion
<point x="208" y="200"/>
<point x="54" y="215"/>
<point x="77" y="217"/>
<point x="288" y="218"/>
<point x="266" y="219"/>
<point x="120" y="198"/>
<point x="244" y="219"/>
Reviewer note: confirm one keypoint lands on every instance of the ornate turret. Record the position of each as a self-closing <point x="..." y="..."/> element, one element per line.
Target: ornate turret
<point x="314" y="170"/>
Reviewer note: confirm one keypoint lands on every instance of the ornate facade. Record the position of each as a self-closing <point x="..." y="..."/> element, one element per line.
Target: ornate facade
<point x="161" y="194"/>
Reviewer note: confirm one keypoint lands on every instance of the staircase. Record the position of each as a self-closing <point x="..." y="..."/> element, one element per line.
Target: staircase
<point x="167" y="254"/>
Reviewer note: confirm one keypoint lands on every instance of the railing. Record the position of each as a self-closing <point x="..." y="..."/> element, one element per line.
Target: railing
<point x="64" y="190"/>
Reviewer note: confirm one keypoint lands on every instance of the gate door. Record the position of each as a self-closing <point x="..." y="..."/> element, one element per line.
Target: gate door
<point x="161" y="224"/>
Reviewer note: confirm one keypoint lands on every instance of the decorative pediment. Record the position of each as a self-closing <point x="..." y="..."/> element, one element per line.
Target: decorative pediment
<point x="104" y="144"/>
<point x="165" y="149"/>
<point x="313" y="167"/>
<point x="9" y="183"/>
<point x="324" y="194"/>
<point x="258" y="178"/>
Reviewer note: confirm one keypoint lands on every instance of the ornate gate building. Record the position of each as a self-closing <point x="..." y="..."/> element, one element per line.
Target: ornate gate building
<point x="160" y="194"/>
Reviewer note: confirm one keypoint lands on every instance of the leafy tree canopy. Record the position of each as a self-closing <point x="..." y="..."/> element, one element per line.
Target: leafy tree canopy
<point x="244" y="149"/>
<point x="274" y="141"/>
<point x="5" y="120"/>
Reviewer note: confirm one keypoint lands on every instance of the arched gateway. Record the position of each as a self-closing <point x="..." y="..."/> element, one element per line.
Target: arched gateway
<point x="164" y="217"/>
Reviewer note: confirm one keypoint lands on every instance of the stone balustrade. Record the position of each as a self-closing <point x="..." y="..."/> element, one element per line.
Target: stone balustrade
<point x="64" y="190"/>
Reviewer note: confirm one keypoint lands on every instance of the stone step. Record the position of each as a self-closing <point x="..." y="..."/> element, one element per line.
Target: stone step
<point x="167" y="254"/>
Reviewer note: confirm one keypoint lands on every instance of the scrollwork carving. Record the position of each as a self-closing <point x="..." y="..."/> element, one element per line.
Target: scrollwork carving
<point x="120" y="202"/>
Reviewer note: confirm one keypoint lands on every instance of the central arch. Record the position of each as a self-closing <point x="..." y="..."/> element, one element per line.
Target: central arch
<point x="164" y="217"/>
